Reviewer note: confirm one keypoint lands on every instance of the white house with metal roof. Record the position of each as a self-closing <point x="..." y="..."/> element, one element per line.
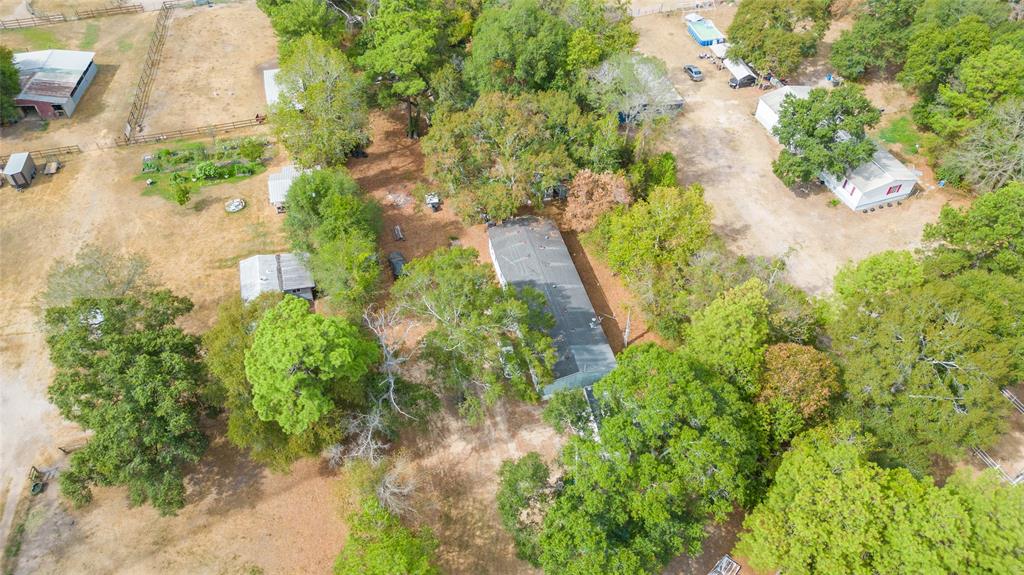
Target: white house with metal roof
<point x="278" y="185"/>
<point x="285" y="273"/>
<point x="880" y="181"/>
<point x="530" y="252"/>
<point x="53" y="81"/>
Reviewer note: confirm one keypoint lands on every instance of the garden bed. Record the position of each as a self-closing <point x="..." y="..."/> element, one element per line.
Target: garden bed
<point x="192" y="166"/>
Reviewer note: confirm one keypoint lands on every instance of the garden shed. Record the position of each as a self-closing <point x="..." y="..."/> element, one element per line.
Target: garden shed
<point x="285" y="273"/>
<point x="530" y="252"/>
<point x="768" y="105"/>
<point x="278" y="185"/>
<point x="703" y="30"/>
<point x="53" y="81"/>
<point x="19" y="170"/>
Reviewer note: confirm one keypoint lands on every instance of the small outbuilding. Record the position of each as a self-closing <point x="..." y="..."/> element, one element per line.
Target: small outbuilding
<point x="278" y="185"/>
<point x="768" y="105"/>
<point x="703" y="30"/>
<point x="738" y="68"/>
<point x="20" y="170"/>
<point x="530" y="252"/>
<point x="285" y="273"/>
<point x="272" y="89"/>
<point x="53" y="81"/>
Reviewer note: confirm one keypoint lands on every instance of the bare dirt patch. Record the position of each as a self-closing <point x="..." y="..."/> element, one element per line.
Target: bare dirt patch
<point x="212" y="67"/>
<point x="120" y="46"/>
<point x="720" y="145"/>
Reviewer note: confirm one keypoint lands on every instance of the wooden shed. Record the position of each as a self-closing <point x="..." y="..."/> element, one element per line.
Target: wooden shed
<point x="20" y="170"/>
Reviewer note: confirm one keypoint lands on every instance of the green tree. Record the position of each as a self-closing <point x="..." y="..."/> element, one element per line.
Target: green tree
<point x="323" y="204"/>
<point x="879" y="276"/>
<point x="95" y="273"/>
<point x="797" y="384"/>
<point x="677" y="450"/>
<point x="824" y="132"/>
<point x="991" y="154"/>
<point x="321" y="116"/>
<point x="923" y="369"/>
<point x="126" y="373"/>
<point x="517" y="47"/>
<point x="485" y="341"/>
<point x="776" y="35"/>
<point x="996" y="511"/>
<point x="669" y="226"/>
<point x="936" y="49"/>
<point x="293" y="19"/>
<point x="524" y="493"/>
<point x="303" y="366"/>
<point x="731" y="334"/>
<point x="982" y="80"/>
<point x="347" y="269"/>
<point x="878" y="39"/>
<point x="10" y="85"/>
<point x="378" y="544"/>
<point x="406" y="42"/>
<point x="225" y="346"/>
<point x="989" y="235"/>
<point x="506" y="151"/>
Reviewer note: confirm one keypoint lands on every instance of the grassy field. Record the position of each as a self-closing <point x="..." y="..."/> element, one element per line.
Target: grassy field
<point x="902" y="131"/>
<point x="36" y="38"/>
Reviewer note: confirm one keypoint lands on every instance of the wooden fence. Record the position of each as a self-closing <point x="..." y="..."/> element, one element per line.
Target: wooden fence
<point x="145" y="86"/>
<point x="190" y="132"/>
<point x="666" y="7"/>
<point x="41" y="20"/>
<point x="112" y="11"/>
<point x="48" y="153"/>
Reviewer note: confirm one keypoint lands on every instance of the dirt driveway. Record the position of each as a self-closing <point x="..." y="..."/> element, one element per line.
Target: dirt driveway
<point x="720" y="145"/>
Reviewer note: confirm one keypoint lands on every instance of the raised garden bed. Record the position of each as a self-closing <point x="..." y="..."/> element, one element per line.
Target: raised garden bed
<point x="197" y="165"/>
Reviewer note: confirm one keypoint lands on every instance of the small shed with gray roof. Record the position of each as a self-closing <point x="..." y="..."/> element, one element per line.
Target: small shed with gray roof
<point x="53" y="81"/>
<point x="285" y="273"/>
<point x="278" y="185"/>
<point x="19" y="170"/>
<point x="530" y="252"/>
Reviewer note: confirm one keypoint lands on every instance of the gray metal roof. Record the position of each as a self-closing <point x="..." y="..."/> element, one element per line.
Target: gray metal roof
<point x="50" y="75"/>
<point x="279" y="183"/>
<point x="882" y="169"/>
<point x="16" y="163"/>
<point x="530" y="252"/>
<point x="270" y="86"/>
<point x="775" y="98"/>
<point x="275" y="272"/>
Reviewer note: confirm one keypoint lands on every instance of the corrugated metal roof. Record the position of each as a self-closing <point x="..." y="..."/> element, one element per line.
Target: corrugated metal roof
<point x="270" y="86"/>
<point x="879" y="171"/>
<point x="530" y="252"/>
<point x="50" y="75"/>
<point x="279" y="183"/>
<point x="276" y="272"/>
<point x="775" y="98"/>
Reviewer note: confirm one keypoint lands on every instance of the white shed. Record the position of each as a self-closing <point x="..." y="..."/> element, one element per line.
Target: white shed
<point x="19" y="170"/>
<point x="278" y="185"/>
<point x="275" y="273"/>
<point x="270" y="87"/>
<point x="881" y="180"/>
<point x="768" y="105"/>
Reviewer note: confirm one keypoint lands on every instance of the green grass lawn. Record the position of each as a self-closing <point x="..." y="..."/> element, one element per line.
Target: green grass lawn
<point x="36" y="38"/>
<point x="92" y="35"/>
<point x="124" y="45"/>
<point x="902" y="131"/>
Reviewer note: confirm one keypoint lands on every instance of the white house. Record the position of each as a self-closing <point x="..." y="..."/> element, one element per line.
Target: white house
<point x="768" y="105"/>
<point x="278" y="185"/>
<point x="275" y="273"/>
<point x="879" y="181"/>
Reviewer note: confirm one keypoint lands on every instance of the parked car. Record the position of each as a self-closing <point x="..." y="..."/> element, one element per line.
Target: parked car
<point x="693" y="72"/>
<point x="397" y="262"/>
<point x="743" y="82"/>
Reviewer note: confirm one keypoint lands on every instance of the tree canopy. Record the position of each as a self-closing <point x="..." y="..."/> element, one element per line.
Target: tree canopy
<point x="991" y="154"/>
<point x="321" y="114"/>
<point x="824" y="132"/>
<point x="485" y="341"/>
<point x="524" y="493"/>
<point x="506" y="151"/>
<point x="878" y="39"/>
<point x="10" y="85"/>
<point x="832" y="510"/>
<point x="378" y="544"/>
<point x="95" y="273"/>
<point x="126" y="373"/>
<point x="677" y="450"/>
<point x="303" y="365"/>
<point x="776" y="35"/>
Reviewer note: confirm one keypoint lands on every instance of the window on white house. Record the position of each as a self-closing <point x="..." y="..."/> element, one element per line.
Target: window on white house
<point x="893" y="190"/>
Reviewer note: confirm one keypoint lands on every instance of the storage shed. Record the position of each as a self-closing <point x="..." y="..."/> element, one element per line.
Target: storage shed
<point x="272" y="89"/>
<point x="53" y="81"/>
<point x="19" y="170"/>
<point x="768" y="105"/>
<point x="530" y="252"/>
<point x="703" y="30"/>
<point x="285" y="273"/>
<point x="278" y="185"/>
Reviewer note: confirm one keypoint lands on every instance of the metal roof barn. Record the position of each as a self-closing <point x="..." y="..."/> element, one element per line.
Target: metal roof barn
<point x="530" y="252"/>
<point x="53" y="81"/>
<point x="275" y="273"/>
